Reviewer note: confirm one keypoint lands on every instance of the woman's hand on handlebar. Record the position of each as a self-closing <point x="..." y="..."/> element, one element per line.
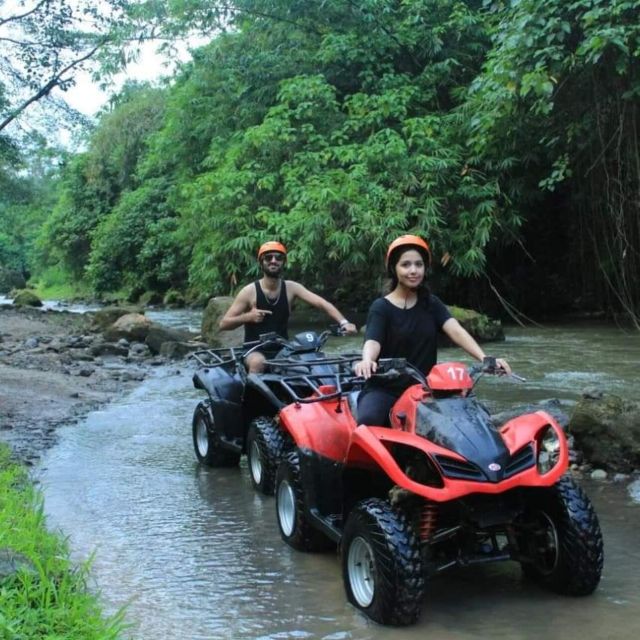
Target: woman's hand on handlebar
<point x="365" y="368"/>
<point x="496" y="365"/>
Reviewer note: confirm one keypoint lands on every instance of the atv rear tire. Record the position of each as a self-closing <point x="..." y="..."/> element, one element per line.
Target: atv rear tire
<point x="293" y="521"/>
<point x="563" y="541"/>
<point x="206" y="441"/>
<point x="382" y="567"/>
<point x="265" y="446"/>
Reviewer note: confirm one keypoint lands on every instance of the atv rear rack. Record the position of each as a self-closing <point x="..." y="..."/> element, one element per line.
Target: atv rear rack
<point x="342" y="362"/>
<point x="222" y="357"/>
<point x="303" y="385"/>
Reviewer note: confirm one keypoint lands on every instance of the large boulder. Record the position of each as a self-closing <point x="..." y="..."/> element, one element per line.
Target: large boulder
<point x="26" y="298"/>
<point x="211" y="316"/>
<point x="133" y="327"/>
<point x="105" y="317"/>
<point x="606" y="429"/>
<point x="158" y="335"/>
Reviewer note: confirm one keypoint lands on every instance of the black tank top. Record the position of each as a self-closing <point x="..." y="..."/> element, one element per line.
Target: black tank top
<point x="277" y="320"/>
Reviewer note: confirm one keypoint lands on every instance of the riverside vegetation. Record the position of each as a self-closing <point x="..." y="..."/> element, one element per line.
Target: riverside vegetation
<point x="42" y="594"/>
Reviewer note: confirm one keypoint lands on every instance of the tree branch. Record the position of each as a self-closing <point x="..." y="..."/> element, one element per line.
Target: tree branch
<point x="54" y="81"/>
<point x="21" y="16"/>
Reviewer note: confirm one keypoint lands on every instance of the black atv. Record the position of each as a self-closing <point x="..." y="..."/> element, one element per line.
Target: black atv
<point x="238" y="415"/>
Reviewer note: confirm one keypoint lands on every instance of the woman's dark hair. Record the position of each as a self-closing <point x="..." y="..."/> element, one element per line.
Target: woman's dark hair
<point x="392" y="280"/>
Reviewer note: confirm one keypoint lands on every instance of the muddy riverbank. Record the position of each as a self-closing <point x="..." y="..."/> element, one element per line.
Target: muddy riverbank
<point x="52" y="374"/>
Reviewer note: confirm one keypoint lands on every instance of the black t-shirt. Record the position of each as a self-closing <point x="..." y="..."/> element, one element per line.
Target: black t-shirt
<point x="277" y="320"/>
<point x="408" y="333"/>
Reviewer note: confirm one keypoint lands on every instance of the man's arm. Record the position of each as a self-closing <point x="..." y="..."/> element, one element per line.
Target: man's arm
<point x="299" y="291"/>
<point x="242" y="311"/>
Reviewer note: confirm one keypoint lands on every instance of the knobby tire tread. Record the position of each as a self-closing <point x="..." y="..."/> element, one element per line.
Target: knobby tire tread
<point x="399" y="598"/>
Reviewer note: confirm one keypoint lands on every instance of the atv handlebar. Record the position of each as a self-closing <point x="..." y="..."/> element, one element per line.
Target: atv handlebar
<point x="272" y="339"/>
<point x="393" y="368"/>
<point x="490" y="367"/>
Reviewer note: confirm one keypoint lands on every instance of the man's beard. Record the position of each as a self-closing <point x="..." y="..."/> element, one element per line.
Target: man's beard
<point x="272" y="273"/>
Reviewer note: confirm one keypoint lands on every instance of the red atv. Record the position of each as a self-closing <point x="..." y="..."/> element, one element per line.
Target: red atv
<point x="443" y="487"/>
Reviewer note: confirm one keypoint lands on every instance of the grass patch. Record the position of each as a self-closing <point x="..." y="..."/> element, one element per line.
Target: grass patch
<point x="47" y="596"/>
<point x="56" y="284"/>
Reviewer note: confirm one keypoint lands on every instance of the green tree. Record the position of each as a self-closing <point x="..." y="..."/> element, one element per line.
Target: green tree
<point x="559" y="98"/>
<point x="367" y="145"/>
<point x="27" y="192"/>
<point x="94" y="182"/>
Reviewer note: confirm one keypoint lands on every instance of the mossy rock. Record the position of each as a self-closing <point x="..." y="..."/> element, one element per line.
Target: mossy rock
<point x="174" y="299"/>
<point x="26" y="298"/>
<point x="480" y="326"/>
<point x="149" y="297"/>
<point x="606" y="429"/>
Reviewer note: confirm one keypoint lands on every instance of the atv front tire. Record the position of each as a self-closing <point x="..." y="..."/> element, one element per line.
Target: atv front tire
<point x="562" y="545"/>
<point x="265" y="445"/>
<point x="293" y="521"/>
<point x="206" y="441"/>
<point x="382" y="567"/>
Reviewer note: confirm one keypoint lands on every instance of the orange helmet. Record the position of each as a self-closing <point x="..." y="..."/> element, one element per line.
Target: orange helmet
<point x="271" y="246"/>
<point x="408" y="241"/>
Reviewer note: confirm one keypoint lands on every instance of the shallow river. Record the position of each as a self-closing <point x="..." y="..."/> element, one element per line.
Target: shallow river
<point x="195" y="553"/>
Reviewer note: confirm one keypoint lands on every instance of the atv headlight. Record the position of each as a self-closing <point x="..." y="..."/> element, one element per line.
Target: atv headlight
<point x="548" y="449"/>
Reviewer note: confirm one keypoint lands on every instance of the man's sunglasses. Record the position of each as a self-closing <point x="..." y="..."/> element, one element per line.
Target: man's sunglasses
<point x="270" y="257"/>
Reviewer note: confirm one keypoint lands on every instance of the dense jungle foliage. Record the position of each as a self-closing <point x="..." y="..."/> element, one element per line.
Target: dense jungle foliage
<point x="505" y="132"/>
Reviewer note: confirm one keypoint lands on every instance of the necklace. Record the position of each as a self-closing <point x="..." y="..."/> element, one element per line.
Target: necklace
<point x="406" y="301"/>
<point x="270" y="301"/>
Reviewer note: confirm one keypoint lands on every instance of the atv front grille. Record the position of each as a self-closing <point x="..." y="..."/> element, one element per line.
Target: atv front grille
<point x="465" y="470"/>
<point x="460" y="469"/>
<point x="520" y="460"/>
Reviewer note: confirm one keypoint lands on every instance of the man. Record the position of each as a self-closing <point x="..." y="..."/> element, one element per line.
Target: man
<point x="264" y="305"/>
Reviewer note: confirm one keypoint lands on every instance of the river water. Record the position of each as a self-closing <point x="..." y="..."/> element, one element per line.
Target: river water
<point x="195" y="553"/>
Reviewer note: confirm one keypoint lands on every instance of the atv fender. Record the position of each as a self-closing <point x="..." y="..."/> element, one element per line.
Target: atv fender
<point x="230" y="420"/>
<point x="373" y="446"/>
<point x="219" y="383"/>
<point x="256" y="383"/>
<point x="518" y="431"/>
<point x="322" y="427"/>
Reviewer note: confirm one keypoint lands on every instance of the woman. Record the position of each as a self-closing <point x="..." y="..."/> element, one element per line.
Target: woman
<point x="405" y="324"/>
